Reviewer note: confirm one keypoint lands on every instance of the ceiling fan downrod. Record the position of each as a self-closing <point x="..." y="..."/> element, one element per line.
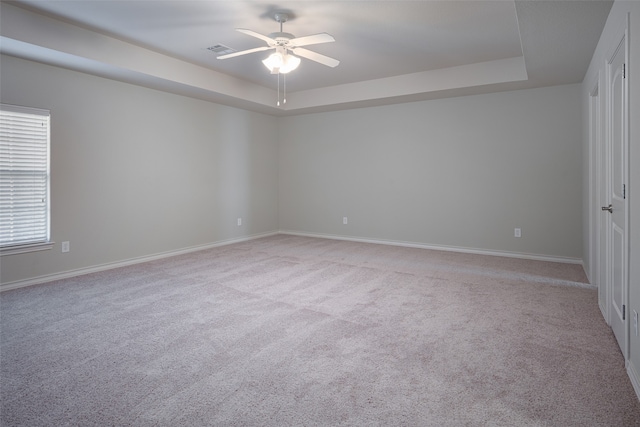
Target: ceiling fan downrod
<point x="281" y="18"/>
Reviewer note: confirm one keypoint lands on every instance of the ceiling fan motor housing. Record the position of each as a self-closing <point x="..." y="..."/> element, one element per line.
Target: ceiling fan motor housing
<point x="281" y="38"/>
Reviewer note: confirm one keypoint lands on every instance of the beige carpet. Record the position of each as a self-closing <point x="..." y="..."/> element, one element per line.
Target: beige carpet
<point x="294" y="331"/>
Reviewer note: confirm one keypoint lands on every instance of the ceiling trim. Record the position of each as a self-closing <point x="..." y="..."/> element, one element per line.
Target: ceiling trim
<point x="422" y="83"/>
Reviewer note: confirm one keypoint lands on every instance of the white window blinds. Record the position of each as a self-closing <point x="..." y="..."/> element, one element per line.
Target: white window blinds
<point x="24" y="175"/>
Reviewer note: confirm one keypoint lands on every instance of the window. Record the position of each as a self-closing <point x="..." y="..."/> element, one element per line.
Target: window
<point x="24" y="179"/>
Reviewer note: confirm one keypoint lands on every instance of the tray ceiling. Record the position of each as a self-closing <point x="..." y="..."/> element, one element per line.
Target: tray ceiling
<point x="389" y="51"/>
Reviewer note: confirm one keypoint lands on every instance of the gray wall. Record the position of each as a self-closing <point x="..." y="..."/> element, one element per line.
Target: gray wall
<point x="137" y="172"/>
<point x="459" y="172"/>
<point x="634" y="184"/>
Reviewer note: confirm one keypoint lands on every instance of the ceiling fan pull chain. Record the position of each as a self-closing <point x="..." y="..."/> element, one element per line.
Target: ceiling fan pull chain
<point x="284" y="91"/>
<point x="278" y="103"/>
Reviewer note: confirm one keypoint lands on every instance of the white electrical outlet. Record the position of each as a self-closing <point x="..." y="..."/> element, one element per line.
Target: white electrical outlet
<point x="65" y="247"/>
<point x="517" y="232"/>
<point x="345" y="220"/>
<point x="635" y="322"/>
<point x="239" y="222"/>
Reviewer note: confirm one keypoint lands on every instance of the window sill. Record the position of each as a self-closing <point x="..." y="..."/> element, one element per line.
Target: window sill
<point x="22" y="249"/>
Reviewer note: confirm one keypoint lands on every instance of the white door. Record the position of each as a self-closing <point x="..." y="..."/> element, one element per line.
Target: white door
<point x="617" y="178"/>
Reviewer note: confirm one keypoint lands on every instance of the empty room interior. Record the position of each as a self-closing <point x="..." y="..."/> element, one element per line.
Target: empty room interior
<point x="320" y="212"/>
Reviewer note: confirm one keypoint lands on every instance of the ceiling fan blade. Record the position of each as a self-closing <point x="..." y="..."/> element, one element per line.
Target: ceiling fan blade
<point x="269" y="40"/>
<point x="313" y="39"/>
<point x="244" y="52"/>
<point x="325" y="60"/>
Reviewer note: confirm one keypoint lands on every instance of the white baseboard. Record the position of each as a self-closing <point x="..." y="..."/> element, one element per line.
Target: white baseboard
<point x="603" y="311"/>
<point x="102" y="267"/>
<point x="73" y="273"/>
<point x="635" y="378"/>
<point x="564" y="260"/>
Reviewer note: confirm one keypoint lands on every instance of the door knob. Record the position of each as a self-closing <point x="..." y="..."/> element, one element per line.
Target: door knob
<point x="608" y="208"/>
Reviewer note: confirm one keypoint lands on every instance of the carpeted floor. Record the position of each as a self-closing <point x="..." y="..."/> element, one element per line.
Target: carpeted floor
<point x="295" y="331"/>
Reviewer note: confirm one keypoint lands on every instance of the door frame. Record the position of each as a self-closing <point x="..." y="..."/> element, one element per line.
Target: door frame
<point x="598" y="168"/>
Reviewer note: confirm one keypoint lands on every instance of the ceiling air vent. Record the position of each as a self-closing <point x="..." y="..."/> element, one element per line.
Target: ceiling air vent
<point x="220" y="49"/>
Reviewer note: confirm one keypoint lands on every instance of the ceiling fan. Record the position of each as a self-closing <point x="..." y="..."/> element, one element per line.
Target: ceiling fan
<point x="286" y="46"/>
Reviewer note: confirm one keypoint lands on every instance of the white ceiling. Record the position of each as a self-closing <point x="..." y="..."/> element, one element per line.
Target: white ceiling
<point x="389" y="51"/>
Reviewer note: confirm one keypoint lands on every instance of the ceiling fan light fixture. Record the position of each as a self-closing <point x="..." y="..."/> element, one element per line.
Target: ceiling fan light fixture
<point x="281" y="63"/>
<point x="290" y="63"/>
